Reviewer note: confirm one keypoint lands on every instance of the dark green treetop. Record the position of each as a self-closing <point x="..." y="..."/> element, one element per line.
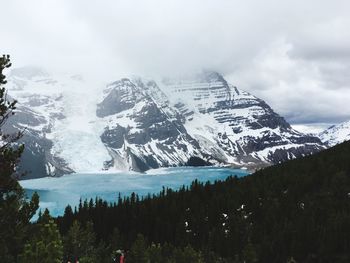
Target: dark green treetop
<point x="15" y="210"/>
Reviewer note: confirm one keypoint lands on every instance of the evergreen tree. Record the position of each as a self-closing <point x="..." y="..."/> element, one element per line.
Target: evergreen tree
<point x="116" y="241"/>
<point x="46" y="244"/>
<point x="79" y="243"/>
<point x="138" y="251"/>
<point x="15" y="210"/>
<point x="188" y="254"/>
<point x="249" y="254"/>
<point x="155" y="253"/>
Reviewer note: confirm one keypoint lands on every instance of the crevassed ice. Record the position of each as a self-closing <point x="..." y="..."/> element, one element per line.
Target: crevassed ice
<point x="77" y="137"/>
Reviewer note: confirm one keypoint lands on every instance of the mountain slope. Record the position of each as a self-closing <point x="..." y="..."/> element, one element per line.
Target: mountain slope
<point x="142" y="131"/>
<point x="38" y="109"/>
<point x="36" y="160"/>
<point x="241" y="125"/>
<point x="336" y="134"/>
<point x="217" y="123"/>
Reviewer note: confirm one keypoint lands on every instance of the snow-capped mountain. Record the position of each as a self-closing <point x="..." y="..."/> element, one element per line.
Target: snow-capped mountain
<point x="142" y="131"/>
<point x="137" y="124"/>
<point x="336" y="134"/>
<point x="201" y="116"/>
<point x="222" y="117"/>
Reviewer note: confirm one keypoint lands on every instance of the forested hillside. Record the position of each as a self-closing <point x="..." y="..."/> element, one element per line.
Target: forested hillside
<point x="298" y="210"/>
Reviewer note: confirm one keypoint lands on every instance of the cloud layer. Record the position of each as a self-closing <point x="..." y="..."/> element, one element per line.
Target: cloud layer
<point x="294" y="54"/>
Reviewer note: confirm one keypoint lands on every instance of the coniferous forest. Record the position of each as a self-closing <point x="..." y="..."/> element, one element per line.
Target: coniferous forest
<point x="298" y="211"/>
<point x="294" y="212"/>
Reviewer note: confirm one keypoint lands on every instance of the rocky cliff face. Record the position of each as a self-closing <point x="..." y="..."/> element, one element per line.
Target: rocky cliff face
<point x="137" y="124"/>
<point x="37" y="159"/>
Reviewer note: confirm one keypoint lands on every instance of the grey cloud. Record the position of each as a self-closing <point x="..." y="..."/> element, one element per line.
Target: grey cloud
<point x="294" y="54"/>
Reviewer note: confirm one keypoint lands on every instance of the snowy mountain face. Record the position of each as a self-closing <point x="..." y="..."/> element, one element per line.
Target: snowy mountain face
<point x="203" y="117"/>
<point x="141" y="130"/>
<point x="235" y="123"/>
<point x="60" y="127"/>
<point x="134" y="124"/>
<point x="336" y="134"/>
<point x="40" y="106"/>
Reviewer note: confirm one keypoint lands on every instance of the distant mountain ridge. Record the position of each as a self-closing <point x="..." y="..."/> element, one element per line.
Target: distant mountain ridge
<point x="139" y="124"/>
<point x="336" y="134"/>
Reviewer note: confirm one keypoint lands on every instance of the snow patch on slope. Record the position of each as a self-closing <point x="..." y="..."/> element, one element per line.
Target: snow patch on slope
<point x="336" y="134"/>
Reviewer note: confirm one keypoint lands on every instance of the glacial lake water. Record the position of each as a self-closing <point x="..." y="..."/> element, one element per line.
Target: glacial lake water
<point x="56" y="193"/>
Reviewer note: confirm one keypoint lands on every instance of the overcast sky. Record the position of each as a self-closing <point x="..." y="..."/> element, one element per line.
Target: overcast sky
<point x="293" y="54"/>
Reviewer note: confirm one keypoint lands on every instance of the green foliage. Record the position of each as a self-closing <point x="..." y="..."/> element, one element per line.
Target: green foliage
<point x="116" y="241"/>
<point x="138" y="251"/>
<point x="155" y="253"/>
<point x="46" y="244"/>
<point x="4" y="63"/>
<point x="188" y="254"/>
<point x="9" y="154"/>
<point x="15" y="210"/>
<point x="249" y="254"/>
<point x="79" y="243"/>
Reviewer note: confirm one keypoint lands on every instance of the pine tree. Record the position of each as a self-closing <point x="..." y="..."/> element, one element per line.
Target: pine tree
<point x="46" y="245"/>
<point x="249" y="253"/>
<point x="188" y="254"/>
<point x="138" y="251"/>
<point x="116" y="241"/>
<point x="79" y="243"/>
<point x="15" y="210"/>
<point x="155" y="253"/>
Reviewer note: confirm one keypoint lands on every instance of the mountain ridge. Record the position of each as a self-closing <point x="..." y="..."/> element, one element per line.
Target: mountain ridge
<point x="336" y="134"/>
<point x="139" y="124"/>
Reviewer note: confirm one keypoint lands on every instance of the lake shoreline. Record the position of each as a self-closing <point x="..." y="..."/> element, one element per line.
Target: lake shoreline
<point x="58" y="192"/>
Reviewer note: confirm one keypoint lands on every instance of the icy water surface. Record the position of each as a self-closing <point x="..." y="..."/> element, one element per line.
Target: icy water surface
<point x="57" y="193"/>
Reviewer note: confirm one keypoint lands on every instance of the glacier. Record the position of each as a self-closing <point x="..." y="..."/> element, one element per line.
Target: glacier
<point x="65" y="107"/>
<point x="76" y="138"/>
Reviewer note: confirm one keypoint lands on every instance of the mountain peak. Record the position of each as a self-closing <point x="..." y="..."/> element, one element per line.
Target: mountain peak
<point x="210" y="76"/>
<point x="336" y="134"/>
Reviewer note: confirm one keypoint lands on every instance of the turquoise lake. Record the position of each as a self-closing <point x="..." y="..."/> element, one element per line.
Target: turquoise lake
<point x="57" y="193"/>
